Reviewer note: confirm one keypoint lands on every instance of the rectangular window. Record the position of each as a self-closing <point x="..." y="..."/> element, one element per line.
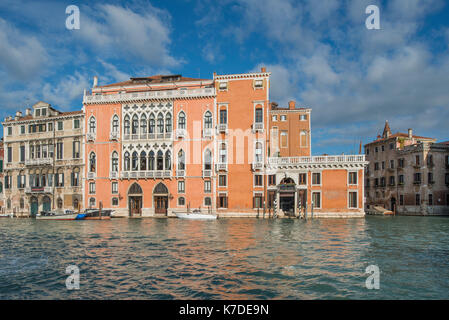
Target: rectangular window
<point x="401" y="200"/>
<point x="383" y="148"/>
<point x="284" y="139"/>
<point x="22" y="130"/>
<point x="430" y="177"/>
<point x="392" y="181"/>
<point x="114" y="187"/>
<point x="303" y="117"/>
<point x="59" y="151"/>
<point x="223" y="86"/>
<point x="76" y="124"/>
<point x="59" y="180"/>
<point x="446" y="179"/>
<point x="258" y="84"/>
<point x="401" y="179"/>
<point x="376" y="166"/>
<point x="181" y="187"/>
<point x="22" y="153"/>
<point x="302" y="179"/>
<point x="352" y="177"/>
<point x="92" y="187"/>
<point x="391" y="146"/>
<point x="222" y="201"/>
<point x="430" y="200"/>
<point x="222" y="181"/>
<point x="417" y="178"/>
<point x="383" y="165"/>
<point x="9" y="131"/>
<point x="9" y="154"/>
<point x="272" y="180"/>
<point x="353" y="200"/>
<point x="75" y="180"/>
<point x="283" y="117"/>
<point x="418" y="199"/>
<point x="44" y="112"/>
<point x="258" y="180"/>
<point x="50" y="126"/>
<point x="207" y="186"/>
<point x="223" y="116"/>
<point x="115" y="202"/>
<point x="392" y="164"/>
<point x="316" y="178"/>
<point x="274" y="118"/>
<point x="401" y="163"/>
<point x="257" y="201"/>
<point x="259" y="115"/>
<point x="60" y="125"/>
<point x="316" y="199"/>
<point x="38" y="112"/>
<point x="76" y="150"/>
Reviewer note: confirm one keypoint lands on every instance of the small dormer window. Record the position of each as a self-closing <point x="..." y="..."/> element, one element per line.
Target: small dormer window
<point x="223" y="86"/>
<point x="258" y="84"/>
<point x="44" y="112"/>
<point x="38" y="112"/>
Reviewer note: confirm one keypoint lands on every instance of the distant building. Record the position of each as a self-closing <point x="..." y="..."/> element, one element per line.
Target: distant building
<point x="407" y="174"/>
<point x="2" y="196"/>
<point x="44" y="161"/>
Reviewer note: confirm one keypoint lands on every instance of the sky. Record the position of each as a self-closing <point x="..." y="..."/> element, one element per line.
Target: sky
<point x="320" y="54"/>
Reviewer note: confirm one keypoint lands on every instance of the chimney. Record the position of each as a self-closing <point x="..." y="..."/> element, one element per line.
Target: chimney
<point x="95" y="81"/>
<point x="263" y="69"/>
<point x="291" y="105"/>
<point x="28" y="112"/>
<point x="410" y="133"/>
<point x="18" y="114"/>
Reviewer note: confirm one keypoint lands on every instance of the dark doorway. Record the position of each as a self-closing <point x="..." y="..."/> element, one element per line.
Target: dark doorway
<point x="393" y="205"/>
<point x="34" y="206"/>
<point x="160" y="199"/>
<point x="135" y="200"/>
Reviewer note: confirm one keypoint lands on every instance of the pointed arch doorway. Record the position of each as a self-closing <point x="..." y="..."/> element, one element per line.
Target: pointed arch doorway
<point x="135" y="200"/>
<point x="160" y="194"/>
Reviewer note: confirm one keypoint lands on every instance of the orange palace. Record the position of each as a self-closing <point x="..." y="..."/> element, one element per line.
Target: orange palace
<point x="165" y="144"/>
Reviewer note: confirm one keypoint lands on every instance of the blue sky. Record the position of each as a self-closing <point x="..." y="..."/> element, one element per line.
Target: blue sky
<point x="319" y="52"/>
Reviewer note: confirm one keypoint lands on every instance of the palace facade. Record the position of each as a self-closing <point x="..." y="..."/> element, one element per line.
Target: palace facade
<point x="162" y="144"/>
<point x="407" y="174"/>
<point x="43" y="161"/>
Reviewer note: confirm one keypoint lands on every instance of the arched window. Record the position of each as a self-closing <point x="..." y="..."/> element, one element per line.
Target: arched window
<point x="160" y="160"/>
<point x="135" y="161"/>
<point x="258" y="157"/>
<point x="181" y="160"/>
<point x="92" y="162"/>
<point x="152" y="123"/>
<point x="143" y="161"/>
<point x="92" y="125"/>
<point x="115" y="124"/>
<point x="114" y="164"/>
<point x="160" y="123"/>
<point x="223" y="153"/>
<point x="208" y="120"/>
<point x="135" y="125"/>
<point x="135" y="189"/>
<point x="182" y="120"/>
<point x="127" y="125"/>
<point x="143" y="124"/>
<point x="168" y="123"/>
<point x="168" y="160"/>
<point x="207" y="160"/>
<point x="127" y="161"/>
<point x="151" y="161"/>
<point x="92" y="202"/>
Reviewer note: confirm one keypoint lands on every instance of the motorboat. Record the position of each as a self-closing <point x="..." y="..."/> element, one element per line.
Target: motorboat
<point x="196" y="215"/>
<point x="96" y="214"/>
<point x="60" y="215"/>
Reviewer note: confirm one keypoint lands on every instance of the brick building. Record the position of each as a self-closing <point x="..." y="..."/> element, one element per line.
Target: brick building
<point x="162" y="144"/>
<point x="407" y="174"/>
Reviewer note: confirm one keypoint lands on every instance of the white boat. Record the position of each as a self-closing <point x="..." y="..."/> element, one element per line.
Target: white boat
<point x="196" y="215"/>
<point x="5" y="215"/>
<point x="60" y="215"/>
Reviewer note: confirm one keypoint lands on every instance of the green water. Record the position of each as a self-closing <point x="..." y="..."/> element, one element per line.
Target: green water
<point x="225" y="259"/>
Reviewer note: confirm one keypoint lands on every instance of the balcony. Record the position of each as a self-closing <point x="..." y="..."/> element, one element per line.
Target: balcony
<point x="146" y="174"/>
<point x="39" y="190"/>
<point x="257" y="165"/>
<point x="181" y="133"/>
<point x="221" y="167"/>
<point x="91" y="175"/>
<point x="180" y="173"/>
<point x="223" y="127"/>
<point x="147" y="136"/>
<point x="207" y="173"/>
<point x="207" y="133"/>
<point x="113" y="175"/>
<point x="114" y="136"/>
<point x="39" y="162"/>
<point x="258" y="126"/>
<point x="90" y="136"/>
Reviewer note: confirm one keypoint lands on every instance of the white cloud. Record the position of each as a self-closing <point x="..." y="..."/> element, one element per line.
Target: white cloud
<point x="68" y="90"/>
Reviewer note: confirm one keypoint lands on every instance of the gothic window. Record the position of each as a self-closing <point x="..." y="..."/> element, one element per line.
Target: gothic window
<point x="127" y="161"/>
<point x="143" y="124"/>
<point x="181" y="160"/>
<point x="168" y="160"/>
<point x="135" y="125"/>
<point x="92" y="162"/>
<point x="92" y="125"/>
<point x="182" y="120"/>
<point x="160" y="160"/>
<point x="151" y="161"/>
<point x="135" y="160"/>
<point x="114" y="162"/>
<point x="160" y="123"/>
<point x="152" y="124"/>
<point x="127" y="125"/>
<point x="208" y="120"/>
<point x="115" y="124"/>
<point x="168" y="123"/>
<point x="207" y="160"/>
<point x="143" y="161"/>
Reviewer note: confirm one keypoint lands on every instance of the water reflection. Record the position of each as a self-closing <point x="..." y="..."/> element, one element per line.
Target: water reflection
<point x="225" y="259"/>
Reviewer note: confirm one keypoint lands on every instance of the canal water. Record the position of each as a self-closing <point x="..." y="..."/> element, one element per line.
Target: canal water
<point x="225" y="259"/>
